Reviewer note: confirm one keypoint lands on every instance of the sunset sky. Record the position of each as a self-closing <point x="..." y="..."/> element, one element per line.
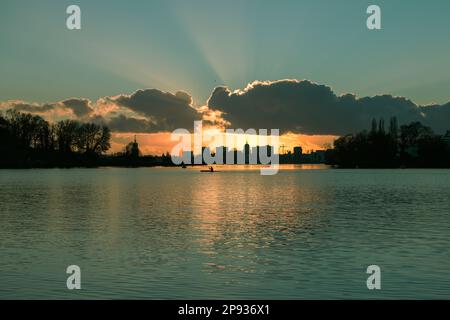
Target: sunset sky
<point x="308" y="67"/>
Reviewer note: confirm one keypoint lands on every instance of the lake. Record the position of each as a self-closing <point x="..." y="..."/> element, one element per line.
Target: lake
<point x="167" y="233"/>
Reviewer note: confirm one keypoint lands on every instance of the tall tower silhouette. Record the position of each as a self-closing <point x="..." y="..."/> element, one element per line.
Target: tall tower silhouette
<point x="247" y="152"/>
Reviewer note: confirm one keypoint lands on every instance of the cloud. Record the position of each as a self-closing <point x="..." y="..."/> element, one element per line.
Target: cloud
<point x="162" y="111"/>
<point x="299" y="107"/>
<point x="438" y="117"/>
<point x="74" y="107"/>
<point x="309" y="108"/>
<point x="80" y="107"/>
<point x="31" y="108"/>
<point x="144" y="111"/>
<point x="122" y="123"/>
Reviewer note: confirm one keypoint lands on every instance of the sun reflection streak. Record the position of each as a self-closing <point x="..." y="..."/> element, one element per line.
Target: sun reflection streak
<point x="236" y="239"/>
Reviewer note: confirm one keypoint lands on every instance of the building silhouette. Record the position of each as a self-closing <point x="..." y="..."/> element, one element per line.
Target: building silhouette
<point x="132" y="149"/>
<point x="222" y="154"/>
<point x="247" y="153"/>
<point x="298" y="154"/>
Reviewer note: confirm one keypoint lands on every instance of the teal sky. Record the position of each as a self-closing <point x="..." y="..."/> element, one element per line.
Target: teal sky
<point x="197" y="45"/>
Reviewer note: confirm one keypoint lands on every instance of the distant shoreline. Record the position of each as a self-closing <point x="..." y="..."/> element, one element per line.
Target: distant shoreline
<point x="293" y="167"/>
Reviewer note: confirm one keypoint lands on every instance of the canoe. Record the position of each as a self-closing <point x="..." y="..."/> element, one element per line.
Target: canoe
<point x="209" y="171"/>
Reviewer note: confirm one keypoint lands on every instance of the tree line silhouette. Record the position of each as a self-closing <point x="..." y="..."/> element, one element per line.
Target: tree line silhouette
<point x="411" y="145"/>
<point x="30" y="141"/>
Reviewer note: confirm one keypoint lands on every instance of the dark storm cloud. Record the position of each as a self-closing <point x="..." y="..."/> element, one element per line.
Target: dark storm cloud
<point x="164" y="111"/>
<point x="122" y="123"/>
<point x="309" y="108"/>
<point x="438" y="116"/>
<point x="80" y="107"/>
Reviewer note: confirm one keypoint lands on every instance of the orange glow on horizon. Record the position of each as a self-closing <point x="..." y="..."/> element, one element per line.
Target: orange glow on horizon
<point x="159" y="143"/>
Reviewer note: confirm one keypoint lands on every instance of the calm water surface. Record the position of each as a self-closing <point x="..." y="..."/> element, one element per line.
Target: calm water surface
<point x="173" y="233"/>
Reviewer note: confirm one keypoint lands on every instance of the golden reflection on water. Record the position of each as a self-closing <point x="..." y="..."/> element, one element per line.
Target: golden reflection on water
<point x="240" y="213"/>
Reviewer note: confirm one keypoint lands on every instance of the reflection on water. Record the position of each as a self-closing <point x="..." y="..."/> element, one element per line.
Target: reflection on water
<point x="174" y="233"/>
